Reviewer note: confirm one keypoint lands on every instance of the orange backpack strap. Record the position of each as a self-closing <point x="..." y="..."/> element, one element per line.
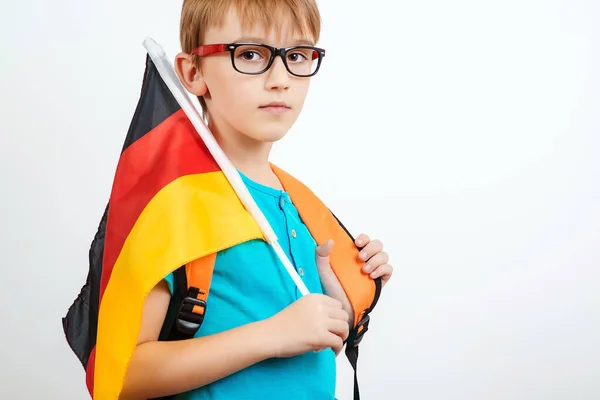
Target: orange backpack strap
<point x="362" y="291"/>
<point x="189" y="300"/>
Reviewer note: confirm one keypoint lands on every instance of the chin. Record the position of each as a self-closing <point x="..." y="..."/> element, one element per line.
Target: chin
<point x="270" y="132"/>
<point x="270" y="136"/>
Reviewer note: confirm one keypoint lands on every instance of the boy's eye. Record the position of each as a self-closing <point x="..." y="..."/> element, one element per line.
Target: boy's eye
<point x="297" y="57"/>
<point x="250" y="55"/>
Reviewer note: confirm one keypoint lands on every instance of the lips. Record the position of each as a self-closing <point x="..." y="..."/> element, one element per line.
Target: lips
<point x="276" y="105"/>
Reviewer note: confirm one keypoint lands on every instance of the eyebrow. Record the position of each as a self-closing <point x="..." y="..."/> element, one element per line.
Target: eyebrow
<point x="256" y="39"/>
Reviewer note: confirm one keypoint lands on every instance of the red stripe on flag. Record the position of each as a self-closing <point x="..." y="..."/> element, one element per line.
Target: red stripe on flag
<point x="89" y="372"/>
<point x="171" y="150"/>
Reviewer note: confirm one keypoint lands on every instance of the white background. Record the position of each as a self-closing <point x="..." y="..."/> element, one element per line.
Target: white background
<point x="464" y="134"/>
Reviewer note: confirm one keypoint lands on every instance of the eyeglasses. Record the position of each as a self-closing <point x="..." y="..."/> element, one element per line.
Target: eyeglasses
<point x="256" y="58"/>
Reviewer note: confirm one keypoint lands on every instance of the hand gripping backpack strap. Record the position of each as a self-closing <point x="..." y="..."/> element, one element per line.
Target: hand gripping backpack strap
<point x="362" y="291"/>
<point x="361" y="325"/>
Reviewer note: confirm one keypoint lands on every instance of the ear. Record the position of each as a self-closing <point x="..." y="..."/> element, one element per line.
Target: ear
<point x="189" y="75"/>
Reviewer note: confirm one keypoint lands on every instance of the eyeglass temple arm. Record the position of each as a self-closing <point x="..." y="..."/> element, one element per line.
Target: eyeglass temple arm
<point x="209" y="49"/>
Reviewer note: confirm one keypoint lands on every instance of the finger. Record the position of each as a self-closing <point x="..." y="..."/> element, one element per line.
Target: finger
<point x="374" y="262"/>
<point x="331" y="302"/>
<point x="384" y="272"/>
<point x="324" y="250"/>
<point x="323" y="253"/>
<point x="335" y="342"/>
<point x="337" y="349"/>
<point x="331" y="340"/>
<point x="340" y="328"/>
<point x="362" y="240"/>
<point x="374" y="247"/>
<point x="338" y="314"/>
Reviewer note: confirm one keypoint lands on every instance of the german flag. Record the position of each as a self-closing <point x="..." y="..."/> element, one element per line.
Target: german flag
<point x="170" y="204"/>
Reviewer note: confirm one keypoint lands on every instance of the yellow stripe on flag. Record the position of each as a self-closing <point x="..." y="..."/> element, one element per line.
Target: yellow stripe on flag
<point x="193" y="216"/>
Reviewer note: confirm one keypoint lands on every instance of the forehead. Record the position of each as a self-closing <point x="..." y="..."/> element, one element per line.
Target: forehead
<point x="277" y="28"/>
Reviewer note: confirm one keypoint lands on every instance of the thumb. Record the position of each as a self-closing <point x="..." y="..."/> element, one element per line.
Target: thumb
<point x="323" y="252"/>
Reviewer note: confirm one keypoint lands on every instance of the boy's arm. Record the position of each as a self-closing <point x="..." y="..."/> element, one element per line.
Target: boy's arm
<point x="169" y="367"/>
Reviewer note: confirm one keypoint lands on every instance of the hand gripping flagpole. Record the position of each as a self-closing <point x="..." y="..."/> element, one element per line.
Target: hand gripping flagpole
<point x="191" y="109"/>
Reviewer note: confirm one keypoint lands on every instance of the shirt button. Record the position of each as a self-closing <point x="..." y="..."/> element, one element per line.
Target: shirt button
<point x="293" y="233"/>
<point x="301" y="271"/>
<point x="282" y="202"/>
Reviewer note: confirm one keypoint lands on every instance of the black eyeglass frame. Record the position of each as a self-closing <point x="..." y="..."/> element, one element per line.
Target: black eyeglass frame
<point x="209" y="49"/>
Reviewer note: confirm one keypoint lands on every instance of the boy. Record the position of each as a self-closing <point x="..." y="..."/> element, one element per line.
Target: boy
<point x="261" y="338"/>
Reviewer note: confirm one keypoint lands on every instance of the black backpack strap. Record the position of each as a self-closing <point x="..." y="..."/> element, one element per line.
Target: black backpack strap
<point x="356" y="334"/>
<point x="168" y="331"/>
<point x="188" y="304"/>
<point x="354" y="339"/>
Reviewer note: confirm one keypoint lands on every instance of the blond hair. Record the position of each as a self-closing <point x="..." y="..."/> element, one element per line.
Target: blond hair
<point x="199" y="15"/>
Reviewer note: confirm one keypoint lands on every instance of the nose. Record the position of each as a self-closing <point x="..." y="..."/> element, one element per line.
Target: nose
<point x="278" y="77"/>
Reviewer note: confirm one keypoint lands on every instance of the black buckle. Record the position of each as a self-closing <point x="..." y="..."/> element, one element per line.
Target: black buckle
<point x="357" y="334"/>
<point x="188" y="322"/>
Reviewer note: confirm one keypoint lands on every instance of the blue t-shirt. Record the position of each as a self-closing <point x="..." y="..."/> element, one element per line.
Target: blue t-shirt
<point x="250" y="283"/>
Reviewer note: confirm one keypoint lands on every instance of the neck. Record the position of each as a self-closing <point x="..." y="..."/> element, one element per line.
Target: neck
<point x="248" y="155"/>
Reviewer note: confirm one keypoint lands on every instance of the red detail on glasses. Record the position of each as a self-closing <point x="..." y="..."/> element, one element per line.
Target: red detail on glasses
<point x="209" y="49"/>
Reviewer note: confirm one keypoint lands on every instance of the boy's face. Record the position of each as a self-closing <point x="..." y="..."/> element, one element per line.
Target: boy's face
<point x="239" y="103"/>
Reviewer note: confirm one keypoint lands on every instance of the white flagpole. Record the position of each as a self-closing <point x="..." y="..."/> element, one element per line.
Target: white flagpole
<point x="191" y="109"/>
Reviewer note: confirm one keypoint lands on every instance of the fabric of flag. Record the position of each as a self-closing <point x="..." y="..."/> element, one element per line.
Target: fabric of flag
<point x="170" y="204"/>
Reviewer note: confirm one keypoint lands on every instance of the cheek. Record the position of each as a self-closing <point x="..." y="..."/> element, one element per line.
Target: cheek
<point x="301" y="91"/>
<point x="232" y="95"/>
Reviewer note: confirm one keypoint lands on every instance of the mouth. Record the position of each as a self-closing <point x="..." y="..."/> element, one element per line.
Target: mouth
<point x="275" y="104"/>
<point x="275" y="107"/>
